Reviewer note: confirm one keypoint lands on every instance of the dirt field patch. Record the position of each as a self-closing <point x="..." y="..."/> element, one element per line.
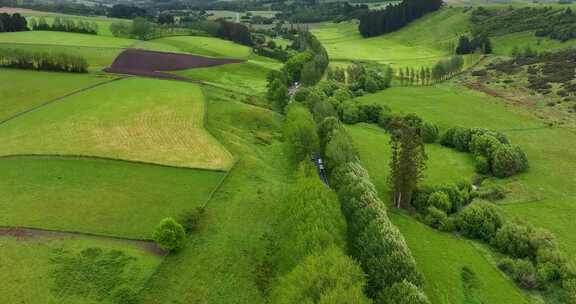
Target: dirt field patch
<point x="153" y="64"/>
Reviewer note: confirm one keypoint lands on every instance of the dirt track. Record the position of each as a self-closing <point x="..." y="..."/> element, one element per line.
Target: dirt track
<point x="151" y="63"/>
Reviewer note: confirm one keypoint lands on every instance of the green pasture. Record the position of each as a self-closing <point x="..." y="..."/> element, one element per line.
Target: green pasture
<point x="138" y="119"/>
<point x="444" y="165"/>
<point x="441" y="257"/>
<point x="63" y="38"/>
<point x="245" y="77"/>
<point x="544" y="195"/>
<point x="206" y="46"/>
<point x="97" y="58"/>
<point x="423" y="42"/>
<point x="219" y="262"/>
<point x="98" y="196"/>
<point x="30" y="272"/>
<point x="21" y="90"/>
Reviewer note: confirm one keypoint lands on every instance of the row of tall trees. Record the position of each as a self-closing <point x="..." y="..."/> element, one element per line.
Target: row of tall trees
<point x="13" y="23"/>
<point x="412" y="76"/>
<point x="447" y="68"/>
<point x="64" y="25"/>
<point x="42" y="61"/>
<point x="394" y="17"/>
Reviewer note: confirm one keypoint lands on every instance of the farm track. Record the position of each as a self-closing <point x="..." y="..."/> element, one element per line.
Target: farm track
<point x="51" y="101"/>
<point x="26" y="232"/>
<point x="90" y="157"/>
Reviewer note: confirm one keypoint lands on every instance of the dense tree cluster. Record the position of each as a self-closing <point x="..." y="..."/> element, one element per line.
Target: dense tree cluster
<point x="124" y="11"/>
<point x="394" y="17"/>
<point x="306" y="66"/>
<point x="374" y="241"/>
<point x="12" y="23"/>
<point x="236" y="32"/>
<point x="42" y="61"/>
<point x="323" y="11"/>
<point x="559" y="24"/>
<point x="140" y="28"/>
<point x="300" y="134"/>
<point x="492" y="150"/>
<point x="64" y="25"/>
<point x="478" y="43"/>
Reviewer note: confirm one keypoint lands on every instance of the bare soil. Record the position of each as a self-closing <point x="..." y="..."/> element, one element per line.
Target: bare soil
<point x="153" y="64"/>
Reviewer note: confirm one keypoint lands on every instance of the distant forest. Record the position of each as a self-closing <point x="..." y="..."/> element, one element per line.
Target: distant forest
<point x="394" y="17"/>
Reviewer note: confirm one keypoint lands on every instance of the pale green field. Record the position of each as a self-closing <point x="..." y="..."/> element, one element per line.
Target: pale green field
<point x="545" y="195"/>
<point x="422" y="43"/>
<point x="68" y="39"/>
<point x="137" y="119"/>
<point x="21" y="90"/>
<point x="27" y="269"/>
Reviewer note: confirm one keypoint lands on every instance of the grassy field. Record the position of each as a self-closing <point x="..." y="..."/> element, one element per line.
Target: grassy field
<point x="31" y="273"/>
<point x="206" y="46"/>
<point x="21" y="90"/>
<point x="246" y="77"/>
<point x="98" y="196"/>
<point x="415" y="45"/>
<point x="444" y="165"/>
<point x="545" y="194"/>
<point x="441" y="257"/>
<point x="137" y="119"/>
<point x="218" y="265"/>
<point x="62" y="38"/>
<point x="102" y="22"/>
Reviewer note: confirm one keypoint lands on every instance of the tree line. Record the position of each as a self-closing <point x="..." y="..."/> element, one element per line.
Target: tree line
<point x="64" y="25"/>
<point x="478" y="43"/>
<point x="13" y="23"/>
<point x="42" y="61"/>
<point x="306" y="66"/>
<point x="394" y="17"/>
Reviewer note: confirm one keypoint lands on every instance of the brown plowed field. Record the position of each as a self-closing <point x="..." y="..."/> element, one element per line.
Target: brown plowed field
<point x="152" y="64"/>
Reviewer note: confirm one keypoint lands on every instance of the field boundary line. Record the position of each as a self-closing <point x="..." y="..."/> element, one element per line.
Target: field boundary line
<point x="220" y="184"/>
<point x="62" y="45"/>
<point x="90" y="157"/>
<point x="79" y="233"/>
<point x="53" y="100"/>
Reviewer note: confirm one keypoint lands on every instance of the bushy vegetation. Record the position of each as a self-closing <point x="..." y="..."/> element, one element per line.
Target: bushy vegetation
<point x="12" y="23"/>
<point x="394" y="17"/>
<point x="374" y="241"/>
<point x="559" y="24"/>
<point x="362" y="78"/>
<point x="64" y="25"/>
<point x="169" y="235"/>
<point x="42" y="61"/>
<point x="478" y="43"/>
<point x="491" y="150"/>
<point x="300" y="134"/>
<point x="323" y="11"/>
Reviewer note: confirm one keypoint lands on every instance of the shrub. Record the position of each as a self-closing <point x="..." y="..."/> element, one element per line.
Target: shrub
<point x="429" y="132"/>
<point x="371" y="113"/>
<point x="322" y="110"/>
<point x="402" y="293"/>
<point x="326" y="277"/>
<point x="191" y="219"/>
<point x="300" y="134"/>
<point x="339" y="150"/>
<point x="507" y="265"/>
<point x="461" y="139"/>
<point x="385" y="256"/>
<point x="350" y="112"/>
<point x="435" y="217"/>
<point x="525" y="274"/>
<point x="447" y="138"/>
<point x="479" y="220"/>
<point x="508" y="160"/>
<point x="492" y="193"/>
<point x="481" y="164"/>
<point x="440" y="200"/>
<point x="169" y="235"/>
<point x="326" y="130"/>
<point x="484" y="145"/>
